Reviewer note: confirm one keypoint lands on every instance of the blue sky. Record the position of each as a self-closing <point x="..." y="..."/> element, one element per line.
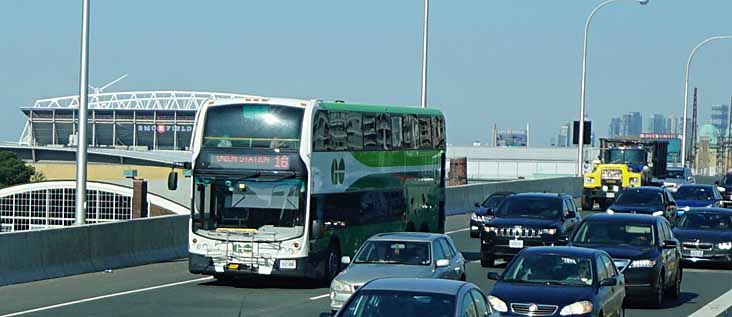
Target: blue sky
<point x="504" y="61"/>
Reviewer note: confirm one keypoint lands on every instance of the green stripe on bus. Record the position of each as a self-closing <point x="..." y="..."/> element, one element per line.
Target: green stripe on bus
<point x="397" y="158"/>
<point x="379" y="108"/>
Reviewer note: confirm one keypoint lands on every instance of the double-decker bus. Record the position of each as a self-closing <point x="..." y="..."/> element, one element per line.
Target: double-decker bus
<point x="286" y="187"/>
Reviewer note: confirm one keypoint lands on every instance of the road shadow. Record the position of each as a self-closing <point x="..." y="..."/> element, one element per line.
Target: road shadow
<point x="257" y="282"/>
<point x="707" y="266"/>
<point x="471" y="256"/>
<point x="684" y="298"/>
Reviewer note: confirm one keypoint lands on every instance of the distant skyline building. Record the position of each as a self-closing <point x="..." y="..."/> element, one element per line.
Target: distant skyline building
<point x="564" y="139"/>
<point x="720" y="117"/>
<point x="631" y="124"/>
<point x="656" y="124"/>
<point x="614" y="127"/>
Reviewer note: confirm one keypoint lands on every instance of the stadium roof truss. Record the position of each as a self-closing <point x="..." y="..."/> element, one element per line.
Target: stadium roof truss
<point x="138" y="100"/>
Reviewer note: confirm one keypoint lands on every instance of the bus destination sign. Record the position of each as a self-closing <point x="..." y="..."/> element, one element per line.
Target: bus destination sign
<point x="249" y="161"/>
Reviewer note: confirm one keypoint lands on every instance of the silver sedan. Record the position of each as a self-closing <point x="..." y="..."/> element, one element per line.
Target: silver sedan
<point x="407" y="254"/>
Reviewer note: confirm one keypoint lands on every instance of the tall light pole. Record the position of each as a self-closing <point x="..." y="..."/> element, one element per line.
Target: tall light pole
<point x="580" y="144"/>
<point x="424" y="53"/>
<point x="686" y="91"/>
<point x="81" y="143"/>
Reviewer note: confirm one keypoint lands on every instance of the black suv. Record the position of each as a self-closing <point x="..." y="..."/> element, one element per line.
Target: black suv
<point x="647" y="200"/>
<point x="526" y="220"/>
<point x="643" y="248"/>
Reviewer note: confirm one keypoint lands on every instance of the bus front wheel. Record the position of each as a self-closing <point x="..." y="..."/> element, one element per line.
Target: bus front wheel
<point x="332" y="263"/>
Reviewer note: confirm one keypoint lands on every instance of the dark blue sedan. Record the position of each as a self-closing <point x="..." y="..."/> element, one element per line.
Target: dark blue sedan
<point x="647" y="200"/>
<point x="692" y="196"/>
<point x="558" y="281"/>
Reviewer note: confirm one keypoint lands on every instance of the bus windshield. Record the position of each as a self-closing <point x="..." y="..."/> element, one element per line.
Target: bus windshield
<point x="269" y="209"/>
<point x="253" y="126"/>
<point x="627" y="156"/>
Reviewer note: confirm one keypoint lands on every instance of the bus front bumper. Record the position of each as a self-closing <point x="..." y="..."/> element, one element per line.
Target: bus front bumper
<point x="303" y="268"/>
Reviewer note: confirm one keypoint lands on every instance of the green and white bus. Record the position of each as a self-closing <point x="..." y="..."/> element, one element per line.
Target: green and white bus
<point x="286" y="187"/>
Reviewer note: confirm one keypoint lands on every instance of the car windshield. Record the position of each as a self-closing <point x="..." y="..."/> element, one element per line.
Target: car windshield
<point x="627" y="156"/>
<point x="394" y="252"/>
<point x="675" y="174"/>
<point x="634" y="197"/>
<point x="550" y="269"/>
<point x="397" y="304"/>
<point x="693" y="193"/>
<point x="706" y="221"/>
<point x="615" y="233"/>
<point x="532" y="207"/>
<point x="493" y="201"/>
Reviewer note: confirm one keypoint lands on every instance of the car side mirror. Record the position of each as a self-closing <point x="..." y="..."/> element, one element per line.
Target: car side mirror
<point x="563" y="239"/>
<point x="477" y="205"/>
<point x="346" y="260"/>
<point x="716" y="183"/>
<point x="173" y="180"/>
<point x="442" y="263"/>
<point x="326" y="314"/>
<point x="493" y="276"/>
<point x="669" y="244"/>
<point x="609" y="282"/>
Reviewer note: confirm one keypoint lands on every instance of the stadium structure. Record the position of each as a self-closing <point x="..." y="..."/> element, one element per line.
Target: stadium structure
<point x="141" y="120"/>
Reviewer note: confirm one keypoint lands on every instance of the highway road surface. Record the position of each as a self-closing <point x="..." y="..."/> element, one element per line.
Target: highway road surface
<point x="168" y="289"/>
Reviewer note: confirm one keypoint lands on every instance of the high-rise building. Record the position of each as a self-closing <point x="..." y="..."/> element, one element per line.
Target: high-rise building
<point x="631" y="124"/>
<point x="614" y="127"/>
<point x="564" y="139"/>
<point x="720" y="117"/>
<point x="656" y="124"/>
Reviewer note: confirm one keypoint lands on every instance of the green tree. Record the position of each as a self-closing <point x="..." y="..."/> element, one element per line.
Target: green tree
<point x="13" y="170"/>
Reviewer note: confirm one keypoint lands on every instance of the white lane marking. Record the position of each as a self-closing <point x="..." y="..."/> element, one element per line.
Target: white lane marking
<point x="715" y="307"/>
<point x="311" y="298"/>
<point x="449" y="232"/>
<point x="35" y="310"/>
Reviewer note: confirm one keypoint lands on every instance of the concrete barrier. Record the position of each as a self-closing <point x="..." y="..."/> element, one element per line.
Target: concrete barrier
<point x="461" y="199"/>
<point x="42" y="254"/>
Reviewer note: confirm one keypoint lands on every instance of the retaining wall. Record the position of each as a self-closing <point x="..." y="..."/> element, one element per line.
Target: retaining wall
<point x="461" y="199"/>
<point x="42" y="254"/>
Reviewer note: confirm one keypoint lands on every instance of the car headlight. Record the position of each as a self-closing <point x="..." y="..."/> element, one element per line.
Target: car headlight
<point x="643" y="263"/>
<point x="709" y="206"/>
<point x="341" y="287"/>
<point x="589" y="180"/>
<point x="658" y="213"/>
<point x="725" y="245"/>
<point x="497" y="304"/>
<point x="549" y="231"/>
<point x="475" y="217"/>
<point x="490" y="229"/>
<point x="610" y="211"/>
<point x="578" y="308"/>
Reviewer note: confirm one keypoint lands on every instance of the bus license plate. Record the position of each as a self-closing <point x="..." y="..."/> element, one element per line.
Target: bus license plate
<point x="697" y="253"/>
<point x="516" y="244"/>
<point x="610" y="195"/>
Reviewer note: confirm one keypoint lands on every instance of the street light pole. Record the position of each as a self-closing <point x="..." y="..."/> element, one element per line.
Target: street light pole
<point x="580" y="144"/>
<point x="424" y="54"/>
<point x="686" y="91"/>
<point x="81" y="143"/>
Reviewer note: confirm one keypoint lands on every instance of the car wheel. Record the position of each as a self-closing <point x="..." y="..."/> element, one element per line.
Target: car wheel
<point x="332" y="264"/>
<point x="604" y="204"/>
<point x="223" y="278"/>
<point x="659" y="292"/>
<point x="487" y="261"/>
<point x="676" y="290"/>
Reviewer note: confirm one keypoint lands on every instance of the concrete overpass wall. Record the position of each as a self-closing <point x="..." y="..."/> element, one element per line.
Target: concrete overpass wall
<point x="460" y="199"/>
<point x="43" y="254"/>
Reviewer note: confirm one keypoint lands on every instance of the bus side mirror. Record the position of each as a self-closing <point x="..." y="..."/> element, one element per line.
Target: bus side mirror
<point x="173" y="180"/>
